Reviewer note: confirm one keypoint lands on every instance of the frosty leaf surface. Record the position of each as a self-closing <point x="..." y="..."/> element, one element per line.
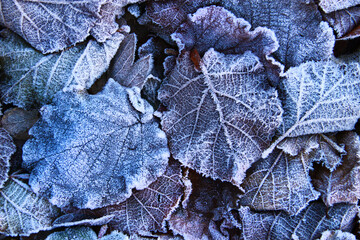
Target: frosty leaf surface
<point x="341" y="185"/>
<point x="124" y="70"/>
<point x="7" y="148"/>
<point x="220" y="119"/>
<point x="337" y="235"/>
<point x="50" y="26"/>
<point x="33" y="78"/>
<point x="335" y="5"/>
<point x="320" y="97"/>
<point x="77" y="233"/>
<point x="90" y="151"/>
<point x="115" y="235"/>
<point x="308" y="224"/>
<point x="22" y="212"/>
<point x="215" y="27"/>
<point x="279" y="182"/>
<point x="343" y="21"/>
<point x="297" y="25"/>
<point x="147" y="210"/>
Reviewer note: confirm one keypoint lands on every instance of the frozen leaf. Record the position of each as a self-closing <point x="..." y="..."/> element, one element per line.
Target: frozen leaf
<point x="115" y="235"/>
<point x="34" y="78"/>
<point x="90" y="151"/>
<point x="18" y="121"/>
<point x="307" y="225"/>
<point x="221" y="118"/>
<point x="297" y="25"/>
<point x="355" y="33"/>
<point x="344" y="21"/>
<point x="319" y="97"/>
<point x="50" y="26"/>
<point x="337" y="235"/>
<point x="22" y="212"/>
<point x="7" y="148"/>
<point x="150" y="89"/>
<point x="342" y="184"/>
<point x="81" y="219"/>
<point x="77" y="233"/>
<point x="215" y="27"/>
<point x="124" y="70"/>
<point x="279" y="182"/>
<point x="147" y="210"/>
<point x="335" y="5"/>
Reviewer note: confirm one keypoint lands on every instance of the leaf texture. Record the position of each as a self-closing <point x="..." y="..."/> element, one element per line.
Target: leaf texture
<point x="215" y="27"/>
<point x="341" y="185"/>
<point x="298" y="27"/>
<point x="220" y="119"/>
<point x="320" y="97"/>
<point x="90" y="151"/>
<point x="279" y="182"/>
<point x="147" y="210"/>
<point x="7" y="148"/>
<point x="22" y="212"/>
<point x="335" y="5"/>
<point x="34" y="78"/>
<point x="77" y="233"/>
<point x="337" y="235"/>
<point x="343" y="21"/>
<point x="307" y="225"/>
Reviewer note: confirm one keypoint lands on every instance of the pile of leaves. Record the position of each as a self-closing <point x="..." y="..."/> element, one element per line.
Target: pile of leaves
<point x="178" y="119"/>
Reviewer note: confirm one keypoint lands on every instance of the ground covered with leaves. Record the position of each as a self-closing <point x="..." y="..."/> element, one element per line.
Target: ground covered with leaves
<point x="177" y="119"/>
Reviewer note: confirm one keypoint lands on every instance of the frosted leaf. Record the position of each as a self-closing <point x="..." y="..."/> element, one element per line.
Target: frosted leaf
<point x="307" y="225"/>
<point x="297" y="25"/>
<point x="115" y="235"/>
<point x="215" y="27"/>
<point x="77" y="233"/>
<point x="22" y="212"/>
<point x="344" y="21"/>
<point x="342" y="184"/>
<point x="7" y="148"/>
<point x="320" y="97"/>
<point x="34" y="78"/>
<point x="337" y="235"/>
<point x="78" y="219"/>
<point x="279" y="182"/>
<point x="335" y="5"/>
<point x="92" y="150"/>
<point x="124" y="70"/>
<point x="219" y="120"/>
<point x="50" y="26"/>
<point x="147" y="210"/>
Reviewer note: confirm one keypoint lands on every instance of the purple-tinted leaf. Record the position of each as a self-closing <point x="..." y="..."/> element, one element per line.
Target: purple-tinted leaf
<point x="215" y="27"/>
<point x="7" y="148"/>
<point x="147" y="210"/>
<point x="355" y="33"/>
<point x="307" y="225"/>
<point x="33" y="78"/>
<point x="222" y="117"/>
<point x="337" y="235"/>
<point x="341" y="185"/>
<point x="92" y="150"/>
<point x="344" y="21"/>
<point x="297" y="25"/>
<point x="22" y="212"/>
<point x="279" y="182"/>
<point x="320" y="97"/>
<point x="335" y="5"/>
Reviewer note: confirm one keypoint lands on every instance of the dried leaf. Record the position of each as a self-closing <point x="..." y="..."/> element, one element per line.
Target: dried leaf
<point x="343" y="184"/>
<point x="335" y="5"/>
<point x="344" y="21"/>
<point x="77" y="233"/>
<point x="35" y="78"/>
<point x="18" y="121"/>
<point x="355" y="33"/>
<point x="279" y="182"/>
<point x="215" y="27"/>
<point x="7" y="148"/>
<point x="222" y="118"/>
<point x="307" y="225"/>
<point x="147" y="210"/>
<point x="124" y="70"/>
<point x="320" y="97"/>
<point x="297" y="25"/>
<point x="337" y="235"/>
<point x="22" y="212"/>
<point x="92" y="150"/>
